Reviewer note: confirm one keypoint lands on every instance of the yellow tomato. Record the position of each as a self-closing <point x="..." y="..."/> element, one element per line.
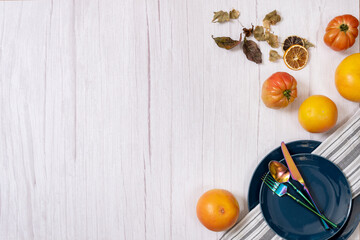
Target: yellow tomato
<point x="347" y="78"/>
<point x="318" y="114"/>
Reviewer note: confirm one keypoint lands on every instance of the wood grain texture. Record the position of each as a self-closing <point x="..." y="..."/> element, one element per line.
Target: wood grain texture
<point x="117" y="115"/>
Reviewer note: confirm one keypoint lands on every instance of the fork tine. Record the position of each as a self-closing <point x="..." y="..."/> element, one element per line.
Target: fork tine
<point x="265" y="176"/>
<point x="268" y="178"/>
<point x="273" y="181"/>
<point x="271" y="187"/>
<point x="269" y="184"/>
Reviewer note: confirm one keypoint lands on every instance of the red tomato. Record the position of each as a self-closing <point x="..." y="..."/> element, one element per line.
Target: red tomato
<point x="341" y="32"/>
<point x="279" y="90"/>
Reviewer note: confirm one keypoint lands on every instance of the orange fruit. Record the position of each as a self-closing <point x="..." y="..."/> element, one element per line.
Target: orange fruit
<point x="317" y="114"/>
<point x="217" y="210"/>
<point x="296" y="57"/>
<point x="347" y="78"/>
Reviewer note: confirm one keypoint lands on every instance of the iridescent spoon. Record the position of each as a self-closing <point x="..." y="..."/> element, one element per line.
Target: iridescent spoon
<point x="282" y="175"/>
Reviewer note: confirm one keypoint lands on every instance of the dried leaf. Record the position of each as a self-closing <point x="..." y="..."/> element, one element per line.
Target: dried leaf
<point x="252" y="51"/>
<point x="226" y="42"/>
<point x="273" y="40"/>
<point x="271" y="19"/>
<point x="267" y="35"/>
<point x="274" y="56"/>
<point x="308" y="44"/>
<point x="221" y="16"/>
<point x="234" y="14"/>
<point x="259" y="33"/>
<point x="248" y="31"/>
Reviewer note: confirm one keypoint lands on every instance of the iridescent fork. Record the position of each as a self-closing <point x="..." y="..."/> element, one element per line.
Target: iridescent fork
<point x="280" y="190"/>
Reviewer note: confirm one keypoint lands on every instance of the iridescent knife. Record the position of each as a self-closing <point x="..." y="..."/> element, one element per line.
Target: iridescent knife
<point x="295" y="174"/>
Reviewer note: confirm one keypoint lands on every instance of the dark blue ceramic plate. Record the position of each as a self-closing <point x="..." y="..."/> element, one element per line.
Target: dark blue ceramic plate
<point x="352" y="222"/>
<point x="302" y="146"/>
<point x="330" y="190"/>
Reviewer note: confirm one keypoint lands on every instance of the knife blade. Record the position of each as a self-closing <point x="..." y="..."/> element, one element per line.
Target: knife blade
<point x="295" y="174"/>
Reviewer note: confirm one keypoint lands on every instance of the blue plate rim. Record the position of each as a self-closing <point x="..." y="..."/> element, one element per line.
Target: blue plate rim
<point x="348" y="185"/>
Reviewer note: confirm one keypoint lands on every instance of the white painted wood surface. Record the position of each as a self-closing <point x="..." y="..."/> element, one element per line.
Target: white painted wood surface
<point x="117" y="115"/>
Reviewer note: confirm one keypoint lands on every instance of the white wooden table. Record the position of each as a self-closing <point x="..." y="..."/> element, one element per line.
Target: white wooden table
<point x="117" y="115"/>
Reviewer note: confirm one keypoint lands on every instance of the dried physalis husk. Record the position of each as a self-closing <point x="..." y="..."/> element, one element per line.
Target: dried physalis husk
<point x="308" y="44"/>
<point x="252" y="51"/>
<point x="267" y="35"/>
<point x="274" y="56"/>
<point x="226" y="42"/>
<point x="221" y="16"/>
<point x="234" y="14"/>
<point x="271" y="19"/>
<point x="273" y="40"/>
<point x="259" y="33"/>
<point x="262" y="35"/>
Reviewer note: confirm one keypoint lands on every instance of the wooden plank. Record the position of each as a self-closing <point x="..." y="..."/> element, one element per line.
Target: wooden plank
<point x="112" y="119"/>
<point x="158" y="174"/>
<point x="37" y="108"/>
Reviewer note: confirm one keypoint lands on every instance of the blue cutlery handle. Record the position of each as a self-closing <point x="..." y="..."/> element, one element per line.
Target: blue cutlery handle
<point x="302" y="195"/>
<point x="312" y="200"/>
<point x="312" y="210"/>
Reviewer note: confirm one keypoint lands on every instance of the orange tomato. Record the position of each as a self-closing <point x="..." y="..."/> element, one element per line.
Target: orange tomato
<point x="279" y="90"/>
<point x="317" y="114"/>
<point x="341" y="32"/>
<point x="347" y="78"/>
<point x="217" y="210"/>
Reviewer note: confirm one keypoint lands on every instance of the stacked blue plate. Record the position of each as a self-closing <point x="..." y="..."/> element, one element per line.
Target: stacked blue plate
<point x="332" y="191"/>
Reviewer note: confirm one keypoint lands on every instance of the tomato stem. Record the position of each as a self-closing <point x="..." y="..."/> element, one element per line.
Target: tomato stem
<point x="344" y="27"/>
<point x="287" y="94"/>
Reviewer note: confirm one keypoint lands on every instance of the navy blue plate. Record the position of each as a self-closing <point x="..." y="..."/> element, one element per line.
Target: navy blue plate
<point x="330" y="190"/>
<point x="352" y="222"/>
<point x="302" y="146"/>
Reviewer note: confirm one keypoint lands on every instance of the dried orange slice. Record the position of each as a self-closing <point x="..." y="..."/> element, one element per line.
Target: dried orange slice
<point x="292" y="40"/>
<point x="296" y="57"/>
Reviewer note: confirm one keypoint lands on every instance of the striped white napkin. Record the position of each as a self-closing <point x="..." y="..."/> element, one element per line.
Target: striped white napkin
<point x="342" y="148"/>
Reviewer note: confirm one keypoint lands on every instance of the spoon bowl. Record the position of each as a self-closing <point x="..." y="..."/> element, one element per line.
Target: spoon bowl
<point x="279" y="171"/>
